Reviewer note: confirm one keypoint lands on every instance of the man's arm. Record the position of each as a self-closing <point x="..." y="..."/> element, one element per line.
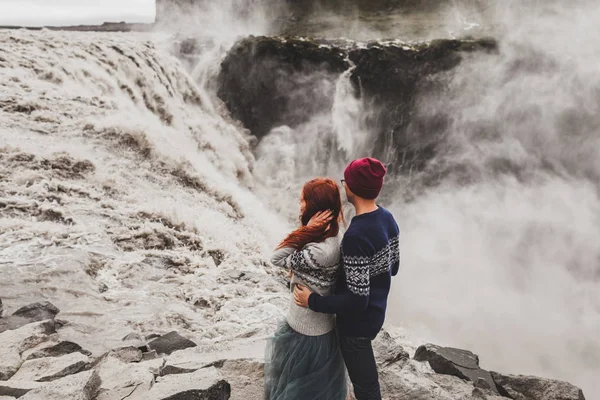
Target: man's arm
<point x="356" y="263"/>
<point x="395" y="254"/>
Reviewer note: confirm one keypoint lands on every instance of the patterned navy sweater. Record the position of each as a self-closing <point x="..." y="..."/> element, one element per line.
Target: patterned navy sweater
<point x="370" y="257"/>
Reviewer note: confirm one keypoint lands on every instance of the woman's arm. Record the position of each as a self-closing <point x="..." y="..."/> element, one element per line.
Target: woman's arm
<point x="279" y="256"/>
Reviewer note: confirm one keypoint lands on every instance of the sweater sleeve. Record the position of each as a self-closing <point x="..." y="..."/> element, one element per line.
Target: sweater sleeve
<point x="301" y="261"/>
<point x="356" y="262"/>
<point x="280" y="256"/>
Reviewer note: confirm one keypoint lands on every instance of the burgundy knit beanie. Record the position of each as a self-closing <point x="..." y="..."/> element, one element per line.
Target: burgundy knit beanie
<point x="364" y="177"/>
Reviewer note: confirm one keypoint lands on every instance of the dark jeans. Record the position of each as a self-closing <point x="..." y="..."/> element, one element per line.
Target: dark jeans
<point x="360" y="362"/>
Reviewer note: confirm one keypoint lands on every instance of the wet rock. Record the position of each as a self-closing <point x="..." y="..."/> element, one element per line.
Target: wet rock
<point x="82" y="386"/>
<point x="416" y="381"/>
<point x="173" y="370"/>
<point x="123" y="380"/>
<point x="155" y="365"/>
<point x="456" y="362"/>
<point x="52" y="368"/>
<point x="387" y="350"/>
<point x="217" y="255"/>
<point x="169" y="343"/>
<point x="17" y="388"/>
<point x="28" y="314"/>
<point x="259" y="74"/>
<point x="16" y="342"/>
<point x="126" y="354"/>
<point x="37" y="311"/>
<point x="57" y="350"/>
<point x="521" y="387"/>
<point x="133" y="336"/>
<point x="204" y="384"/>
<point x="103" y="288"/>
<point x="149" y="355"/>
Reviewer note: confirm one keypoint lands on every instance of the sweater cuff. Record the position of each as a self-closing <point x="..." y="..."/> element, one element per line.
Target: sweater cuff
<point x="312" y="301"/>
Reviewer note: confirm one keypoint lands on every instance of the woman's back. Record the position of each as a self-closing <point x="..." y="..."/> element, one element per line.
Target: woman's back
<point x="315" y="266"/>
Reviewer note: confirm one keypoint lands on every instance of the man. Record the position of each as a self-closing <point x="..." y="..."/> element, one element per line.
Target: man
<point x="370" y="257"/>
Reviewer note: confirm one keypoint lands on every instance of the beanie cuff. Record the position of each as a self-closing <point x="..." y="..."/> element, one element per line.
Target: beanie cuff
<point x="360" y="191"/>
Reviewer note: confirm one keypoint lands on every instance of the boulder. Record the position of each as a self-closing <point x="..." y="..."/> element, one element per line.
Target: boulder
<point x="52" y="368"/>
<point x="82" y="386"/>
<point x="1" y="308"/>
<point x="387" y="350"/>
<point x="57" y="350"/>
<point x="15" y="342"/>
<point x="456" y="362"/>
<point x="123" y="379"/>
<point x="37" y="311"/>
<point x="205" y="384"/>
<point x="521" y="387"/>
<point x="127" y="354"/>
<point x="17" y="388"/>
<point x="416" y="381"/>
<point x="28" y="314"/>
<point x="169" y="343"/>
<point x="155" y="365"/>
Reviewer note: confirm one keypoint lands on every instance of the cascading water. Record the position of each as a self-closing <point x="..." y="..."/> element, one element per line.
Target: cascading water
<point x="170" y="227"/>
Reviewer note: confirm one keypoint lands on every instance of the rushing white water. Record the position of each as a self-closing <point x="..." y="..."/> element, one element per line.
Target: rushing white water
<point x="506" y="265"/>
<point x="128" y="238"/>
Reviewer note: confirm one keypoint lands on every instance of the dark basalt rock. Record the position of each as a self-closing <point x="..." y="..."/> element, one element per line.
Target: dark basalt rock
<point x="456" y="362"/>
<point x="28" y="314"/>
<point x="169" y="343"/>
<point x="533" y="388"/>
<point x="37" y="311"/>
<point x="267" y="82"/>
<point x="272" y="81"/>
<point x="58" y="350"/>
<point x="219" y="391"/>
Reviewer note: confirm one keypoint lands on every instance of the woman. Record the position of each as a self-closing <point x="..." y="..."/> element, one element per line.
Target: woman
<point x="303" y="360"/>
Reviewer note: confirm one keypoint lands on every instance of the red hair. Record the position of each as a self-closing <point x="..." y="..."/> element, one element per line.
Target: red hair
<point x="320" y="194"/>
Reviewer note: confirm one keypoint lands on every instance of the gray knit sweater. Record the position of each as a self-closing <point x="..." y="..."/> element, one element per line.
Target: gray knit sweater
<point x="315" y="266"/>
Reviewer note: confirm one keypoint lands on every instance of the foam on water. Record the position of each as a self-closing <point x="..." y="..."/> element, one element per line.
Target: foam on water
<point x="171" y="227"/>
<point x="125" y="196"/>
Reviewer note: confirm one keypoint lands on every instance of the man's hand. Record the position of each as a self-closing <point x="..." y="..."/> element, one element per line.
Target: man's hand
<point x="320" y="219"/>
<point x="301" y="295"/>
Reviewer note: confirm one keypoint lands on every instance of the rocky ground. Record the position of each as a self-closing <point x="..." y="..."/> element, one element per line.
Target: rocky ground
<point x="36" y="364"/>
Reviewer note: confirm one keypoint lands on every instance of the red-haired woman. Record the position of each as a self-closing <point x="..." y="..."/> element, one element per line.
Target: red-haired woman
<point x="303" y="360"/>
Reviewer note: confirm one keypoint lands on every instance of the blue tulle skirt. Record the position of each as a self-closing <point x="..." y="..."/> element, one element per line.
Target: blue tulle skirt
<point x="299" y="367"/>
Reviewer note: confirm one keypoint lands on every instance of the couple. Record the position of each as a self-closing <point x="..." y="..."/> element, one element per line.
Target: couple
<point x="340" y="290"/>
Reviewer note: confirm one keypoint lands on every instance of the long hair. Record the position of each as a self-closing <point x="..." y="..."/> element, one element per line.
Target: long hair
<point x="320" y="194"/>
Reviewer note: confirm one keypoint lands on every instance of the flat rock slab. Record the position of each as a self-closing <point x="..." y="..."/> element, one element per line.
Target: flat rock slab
<point x="16" y="342"/>
<point x="28" y="314"/>
<point x="126" y="354"/>
<point x="169" y="343"/>
<point x="204" y="384"/>
<point x="82" y="386"/>
<point x="57" y="350"/>
<point x="124" y="379"/>
<point x="17" y="388"/>
<point x="456" y="362"/>
<point x="52" y="368"/>
<point x="521" y="387"/>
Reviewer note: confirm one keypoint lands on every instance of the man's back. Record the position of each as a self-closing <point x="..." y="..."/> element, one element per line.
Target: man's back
<point x="370" y="257"/>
